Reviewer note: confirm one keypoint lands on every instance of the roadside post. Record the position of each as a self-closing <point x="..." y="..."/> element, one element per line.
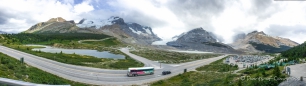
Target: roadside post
<point x="21" y="59"/>
<point x="287" y="70"/>
<point x="159" y="64"/>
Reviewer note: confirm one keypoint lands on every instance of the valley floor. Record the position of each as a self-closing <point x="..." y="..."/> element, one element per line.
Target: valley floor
<point x="171" y="57"/>
<point x="102" y="76"/>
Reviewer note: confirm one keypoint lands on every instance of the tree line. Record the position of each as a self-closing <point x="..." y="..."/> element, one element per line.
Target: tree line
<point x="295" y="52"/>
<point x="29" y="38"/>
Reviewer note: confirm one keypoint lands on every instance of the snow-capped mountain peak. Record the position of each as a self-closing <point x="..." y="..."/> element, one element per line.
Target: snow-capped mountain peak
<point x="121" y="29"/>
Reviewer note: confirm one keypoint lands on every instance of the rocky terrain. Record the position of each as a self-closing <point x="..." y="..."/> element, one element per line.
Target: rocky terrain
<point x="132" y="33"/>
<point x="199" y="39"/>
<point x="261" y="42"/>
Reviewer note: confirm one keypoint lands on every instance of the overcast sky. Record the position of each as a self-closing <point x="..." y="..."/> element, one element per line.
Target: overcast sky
<point x="168" y="17"/>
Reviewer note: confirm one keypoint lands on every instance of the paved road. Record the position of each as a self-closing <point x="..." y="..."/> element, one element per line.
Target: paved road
<point x="298" y="70"/>
<point x="104" y="76"/>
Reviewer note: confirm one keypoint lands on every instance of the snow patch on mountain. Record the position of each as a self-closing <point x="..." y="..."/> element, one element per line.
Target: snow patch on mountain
<point x="137" y="32"/>
<point x="147" y="30"/>
<point x="97" y="23"/>
<point x="94" y="23"/>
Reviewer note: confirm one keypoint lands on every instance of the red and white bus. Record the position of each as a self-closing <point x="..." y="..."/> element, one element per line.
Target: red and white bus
<point x="140" y="71"/>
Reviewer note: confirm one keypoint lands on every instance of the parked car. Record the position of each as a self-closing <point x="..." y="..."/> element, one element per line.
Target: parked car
<point x="166" y="72"/>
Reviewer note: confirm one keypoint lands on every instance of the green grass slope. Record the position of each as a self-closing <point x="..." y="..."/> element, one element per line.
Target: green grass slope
<point x="13" y="69"/>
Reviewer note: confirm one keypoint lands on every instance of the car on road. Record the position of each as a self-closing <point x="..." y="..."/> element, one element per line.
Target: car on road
<point x="166" y="72"/>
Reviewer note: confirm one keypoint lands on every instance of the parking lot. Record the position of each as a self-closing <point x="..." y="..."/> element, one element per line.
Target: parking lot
<point x="244" y="61"/>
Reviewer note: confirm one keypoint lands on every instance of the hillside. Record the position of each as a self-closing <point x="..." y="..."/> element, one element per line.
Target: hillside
<point x="296" y="52"/>
<point x="261" y="42"/>
<point x="14" y="69"/>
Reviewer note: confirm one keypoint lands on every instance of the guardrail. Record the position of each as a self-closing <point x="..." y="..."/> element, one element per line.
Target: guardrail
<point x="11" y="82"/>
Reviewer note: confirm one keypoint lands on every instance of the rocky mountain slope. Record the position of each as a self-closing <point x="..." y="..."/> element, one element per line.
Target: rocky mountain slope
<point x="199" y="39"/>
<point x="128" y="32"/>
<point x="114" y="26"/>
<point x="56" y="25"/>
<point x="261" y="42"/>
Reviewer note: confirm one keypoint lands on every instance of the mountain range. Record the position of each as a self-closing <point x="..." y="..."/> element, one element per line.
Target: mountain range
<point x="195" y="39"/>
<point x="253" y="42"/>
<point x="127" y="32"/>
<point x="114" y="26"/>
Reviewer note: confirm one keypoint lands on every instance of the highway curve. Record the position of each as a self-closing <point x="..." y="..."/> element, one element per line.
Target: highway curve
<point x="96" y="76"/>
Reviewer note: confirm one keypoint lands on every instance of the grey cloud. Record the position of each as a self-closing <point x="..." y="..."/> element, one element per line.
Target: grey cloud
<point x="194" y="13"/>
<point x="263" y="9"/>
<point x="138" y="17"/>
<point x="278" y="30"/>
<point x="197" y="12"/>
<point x="110" y="8"/>
<point x="261" y="4"/>
<point x="128" y="16"/>
<point x="197" y="7"/>
<point x="3" y="17"/>
<point x="98" y="14"/>
<point x="2" y="20"/>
